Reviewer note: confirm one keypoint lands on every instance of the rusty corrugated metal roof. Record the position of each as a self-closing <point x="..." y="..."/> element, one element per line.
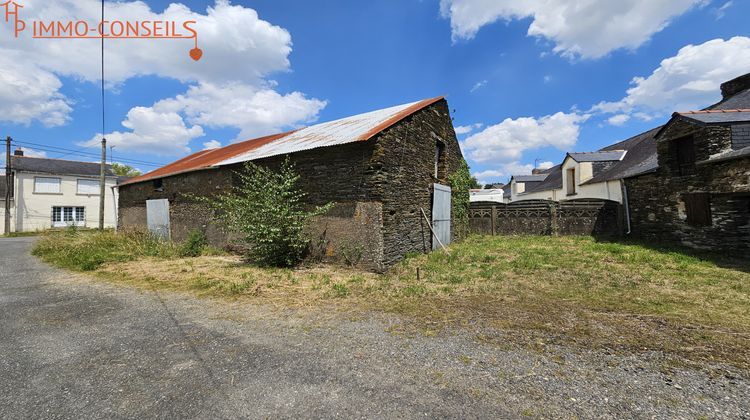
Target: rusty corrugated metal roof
<point x="352" y="129"/>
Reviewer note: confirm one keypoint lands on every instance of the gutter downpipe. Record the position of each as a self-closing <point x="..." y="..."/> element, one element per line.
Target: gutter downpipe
<point x="627" y="204"/>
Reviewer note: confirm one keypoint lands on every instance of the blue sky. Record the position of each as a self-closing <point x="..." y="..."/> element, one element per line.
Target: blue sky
<point x="524" y="82"/>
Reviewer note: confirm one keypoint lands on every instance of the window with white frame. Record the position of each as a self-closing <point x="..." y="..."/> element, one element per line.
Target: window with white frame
<point x="68" y="216"/>
<point x="87" y="187"/>
<point x="43" y="185"/>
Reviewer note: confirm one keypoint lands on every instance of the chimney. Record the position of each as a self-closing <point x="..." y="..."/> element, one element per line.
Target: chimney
<point x="18" y="152"/>
<point x="537" y="171"/>
<point x="735" y="86"/>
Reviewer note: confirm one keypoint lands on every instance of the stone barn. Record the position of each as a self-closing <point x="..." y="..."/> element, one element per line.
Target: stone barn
<point x="380" y="169"/>
<point x="699" y="195"/>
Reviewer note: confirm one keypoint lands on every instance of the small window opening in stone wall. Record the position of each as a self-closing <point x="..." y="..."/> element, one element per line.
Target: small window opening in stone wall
<point x="439" y="159"/>
<point x="158" y="184"/>
<point x="684" y="152"/>
<point x="698" y="209"/>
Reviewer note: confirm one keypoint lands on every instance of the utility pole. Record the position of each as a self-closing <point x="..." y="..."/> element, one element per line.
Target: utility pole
<point x="8" y="185"/>
<point x="102" y="181"/>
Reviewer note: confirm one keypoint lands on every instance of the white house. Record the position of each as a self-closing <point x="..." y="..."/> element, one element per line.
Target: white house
<point x="596" y="175"/>
<point x="522" y="184"/>
<point x="55" y="193"/>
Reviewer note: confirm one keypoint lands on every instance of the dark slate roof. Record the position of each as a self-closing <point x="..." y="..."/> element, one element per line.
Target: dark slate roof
<point x="641" y="158"/>
<point x="552" y="182"/>
<point x="739" y="100"/>
<point x="600" y="156"/>
<point x="56" y="166"/>
<point x="530" y="178"/>
<point x="506" y="190"/>
<point x="717" y="116"/>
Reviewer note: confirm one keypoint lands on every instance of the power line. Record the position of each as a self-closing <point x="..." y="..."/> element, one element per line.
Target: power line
<point x="79" y="152"/>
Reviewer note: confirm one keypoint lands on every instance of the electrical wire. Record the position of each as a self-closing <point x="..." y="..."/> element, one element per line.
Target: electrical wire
<point x="79" y="152"/>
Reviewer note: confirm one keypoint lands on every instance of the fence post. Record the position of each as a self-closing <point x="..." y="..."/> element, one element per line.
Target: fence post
<point x="494" y="218"/>
<point x="554" y="228"/>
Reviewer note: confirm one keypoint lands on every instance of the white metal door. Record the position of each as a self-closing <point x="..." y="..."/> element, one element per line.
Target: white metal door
<point x="441" y="215"/>
<point x="157" y="218"/>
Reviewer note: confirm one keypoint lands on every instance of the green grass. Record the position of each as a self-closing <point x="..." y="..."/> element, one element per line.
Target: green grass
<point x="88" y="250"/>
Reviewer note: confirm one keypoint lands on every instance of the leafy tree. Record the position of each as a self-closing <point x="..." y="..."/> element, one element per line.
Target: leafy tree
<point x="120" y="169"/>
<point x="265" y="207"/>
<point x="474" y="183"/>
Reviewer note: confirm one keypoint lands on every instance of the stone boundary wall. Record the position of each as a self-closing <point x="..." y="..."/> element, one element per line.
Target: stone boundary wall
<point x="542" y="217"/>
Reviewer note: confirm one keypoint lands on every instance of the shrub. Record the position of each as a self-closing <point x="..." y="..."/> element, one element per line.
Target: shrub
<point x="195" y="244"/>
<point x="265" y="207"/>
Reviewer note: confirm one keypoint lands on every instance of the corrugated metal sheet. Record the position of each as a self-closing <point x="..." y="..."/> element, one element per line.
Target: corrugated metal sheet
<point x="346" y="130"/>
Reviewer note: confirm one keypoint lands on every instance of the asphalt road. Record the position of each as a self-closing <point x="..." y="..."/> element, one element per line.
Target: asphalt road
<point x="74" y="347"/>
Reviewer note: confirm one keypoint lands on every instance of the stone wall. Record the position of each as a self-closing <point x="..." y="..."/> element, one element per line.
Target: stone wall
<point x="401" y="176"/>
<point x="656" y="200"/>
<point x="708" y="141"/>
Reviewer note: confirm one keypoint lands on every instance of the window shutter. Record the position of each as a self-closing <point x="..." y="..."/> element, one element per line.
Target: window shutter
<point x="685" y="151"/>
<point x="47" y="185"/>
<point x="88" y="187"/>
<point x="698" y="209"/>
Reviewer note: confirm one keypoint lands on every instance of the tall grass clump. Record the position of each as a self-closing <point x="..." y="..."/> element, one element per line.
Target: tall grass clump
<point x="82" y="250"/>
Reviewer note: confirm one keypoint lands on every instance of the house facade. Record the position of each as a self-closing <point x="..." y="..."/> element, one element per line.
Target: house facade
<point x="699" y="195"/>
<point x="596" y="175"/>
<point x="379" y="169"/>
<point x="55" y="193"/>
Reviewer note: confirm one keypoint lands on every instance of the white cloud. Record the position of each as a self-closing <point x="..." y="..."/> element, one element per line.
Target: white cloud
<point x="477" y="86"/>
<point x="506" y="142"/>
<point x="619" y="119"/>
<point x="721" y="11"/>
<point x="255" y="111"/>
<point x="466" y="129"/>
<point x="29" y="93"/>
<point x="586" y="28"/>
<point x="34" y="153"/>
<point x="226" y="33"/>
<point x="228" y="87"/>
<point x="690" y="80"/>
<point x="509" y="169"/>
<point x="152" y="130"/>
<point x="213" y="144"/>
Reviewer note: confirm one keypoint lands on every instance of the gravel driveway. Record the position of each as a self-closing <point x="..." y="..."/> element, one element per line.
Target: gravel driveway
<point x="75" y="348"/>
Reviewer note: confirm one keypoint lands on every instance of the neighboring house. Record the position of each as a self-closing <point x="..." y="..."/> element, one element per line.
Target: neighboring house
<point x="55" y="193"/>
<point x="597" y="175"/>
<point x="520" y="184"/>
<point x="379" y="168"/>
<point x="699" y="193"/>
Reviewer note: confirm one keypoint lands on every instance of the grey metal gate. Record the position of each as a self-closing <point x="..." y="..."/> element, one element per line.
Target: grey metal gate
<point x="157" y="218"/>
<point x="441" y="215"/>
